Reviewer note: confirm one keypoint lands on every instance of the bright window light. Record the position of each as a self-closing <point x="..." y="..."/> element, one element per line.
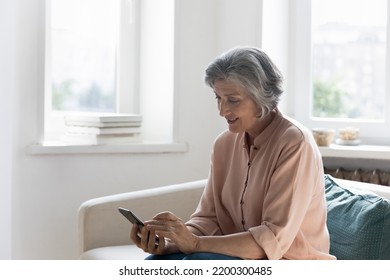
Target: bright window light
<point x="349" y="59"/>
<point x="84" y="45"/>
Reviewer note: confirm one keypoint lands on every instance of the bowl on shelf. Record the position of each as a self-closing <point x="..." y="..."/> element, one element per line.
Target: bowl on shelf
<point x="348" y="136"/>
<point x="323" y="136"/>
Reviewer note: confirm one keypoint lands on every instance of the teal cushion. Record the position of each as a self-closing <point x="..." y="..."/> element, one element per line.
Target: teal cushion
<point x="358" y="224"/>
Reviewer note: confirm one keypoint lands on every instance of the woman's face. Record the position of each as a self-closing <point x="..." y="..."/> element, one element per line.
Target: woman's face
<point x="236" y="107"/>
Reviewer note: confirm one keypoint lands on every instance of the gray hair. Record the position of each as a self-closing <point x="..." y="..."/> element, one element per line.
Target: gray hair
<point x="252" y="69"/>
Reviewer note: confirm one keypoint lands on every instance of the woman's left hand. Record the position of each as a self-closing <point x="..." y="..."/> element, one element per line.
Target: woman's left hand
<point x="167" y="225"/>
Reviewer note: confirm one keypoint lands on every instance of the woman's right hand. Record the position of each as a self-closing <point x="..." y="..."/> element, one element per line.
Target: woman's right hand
<point x="147" y="241"/>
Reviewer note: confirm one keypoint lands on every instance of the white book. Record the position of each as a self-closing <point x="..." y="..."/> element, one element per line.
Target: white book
<point x="102" y="130"/>
<point x="90" y="139"/>
<point x="103" y="118"/>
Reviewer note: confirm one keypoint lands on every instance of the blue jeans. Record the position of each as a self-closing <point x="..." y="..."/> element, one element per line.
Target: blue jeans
<point x="194" y="256"/>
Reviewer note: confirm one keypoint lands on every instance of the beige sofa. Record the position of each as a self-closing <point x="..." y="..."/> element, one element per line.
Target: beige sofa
<point x="105" y="234"/>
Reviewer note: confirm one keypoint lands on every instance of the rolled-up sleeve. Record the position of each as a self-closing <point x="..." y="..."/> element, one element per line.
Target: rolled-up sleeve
<point x="265" y="237"/>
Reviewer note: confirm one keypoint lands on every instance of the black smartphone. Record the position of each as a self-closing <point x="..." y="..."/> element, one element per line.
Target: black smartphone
<point x="130" y="216"/>
<point x="134" y="219"/>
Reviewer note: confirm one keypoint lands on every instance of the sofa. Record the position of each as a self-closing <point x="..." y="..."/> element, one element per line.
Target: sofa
<point x="358" y="219"/>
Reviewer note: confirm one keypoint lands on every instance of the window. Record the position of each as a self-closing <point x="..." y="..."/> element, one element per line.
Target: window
<point x="83" y="55"/>
<point x="340" y="57"/>
<point x="91" y="59"/>
<point x="349" y="59"/>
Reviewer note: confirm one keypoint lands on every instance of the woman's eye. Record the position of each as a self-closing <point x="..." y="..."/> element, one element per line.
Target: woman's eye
<point x="233" y="101"/>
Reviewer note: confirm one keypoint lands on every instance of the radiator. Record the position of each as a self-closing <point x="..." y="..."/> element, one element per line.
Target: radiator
<point x="368" y="176"/>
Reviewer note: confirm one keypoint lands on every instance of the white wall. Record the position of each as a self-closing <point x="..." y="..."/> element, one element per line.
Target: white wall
<point x="275" y="36"/>
<point x="7" y="26"/>
<point x="239" y="23"/>
<point x="157" y="69"/>
<point x="48" y="189"/>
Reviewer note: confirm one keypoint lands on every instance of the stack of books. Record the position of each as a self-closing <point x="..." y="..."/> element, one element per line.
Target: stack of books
<point x="98" y="129"/>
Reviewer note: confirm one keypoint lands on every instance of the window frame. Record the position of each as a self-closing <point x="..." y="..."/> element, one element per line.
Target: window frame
<point x="128" y="100"/>
<point x="371" y="131"/>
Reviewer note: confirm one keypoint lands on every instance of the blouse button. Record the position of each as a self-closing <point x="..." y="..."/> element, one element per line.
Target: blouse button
<point x="243" y="222"/>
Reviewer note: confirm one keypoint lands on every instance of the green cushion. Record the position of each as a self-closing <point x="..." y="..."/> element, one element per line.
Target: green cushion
<point x="358" y="224"/>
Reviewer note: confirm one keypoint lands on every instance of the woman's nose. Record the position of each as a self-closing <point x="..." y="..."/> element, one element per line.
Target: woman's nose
<point x="222" y="108"/>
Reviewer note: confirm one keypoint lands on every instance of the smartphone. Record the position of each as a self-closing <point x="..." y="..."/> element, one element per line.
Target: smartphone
<point x="134" y="219"/>
<point x="130" y="216"/>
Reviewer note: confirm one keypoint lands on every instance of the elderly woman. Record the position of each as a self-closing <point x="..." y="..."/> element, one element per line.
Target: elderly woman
<point x="265" y="193"/>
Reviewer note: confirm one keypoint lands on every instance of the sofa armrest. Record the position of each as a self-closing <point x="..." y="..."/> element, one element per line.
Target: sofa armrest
<point x="100" y="223"/>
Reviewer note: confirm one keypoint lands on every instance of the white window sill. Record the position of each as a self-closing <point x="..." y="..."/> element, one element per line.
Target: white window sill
<point x="54" y="148"/>
<point x="361" y="151"/>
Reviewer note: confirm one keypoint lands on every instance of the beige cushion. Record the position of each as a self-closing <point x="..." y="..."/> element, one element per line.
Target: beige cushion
<point x="123" y="252"/>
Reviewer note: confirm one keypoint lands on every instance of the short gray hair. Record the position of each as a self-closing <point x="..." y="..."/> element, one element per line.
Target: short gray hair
<point x="252" y="69"/>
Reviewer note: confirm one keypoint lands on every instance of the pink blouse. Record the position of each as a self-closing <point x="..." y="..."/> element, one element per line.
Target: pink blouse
<point x="274" y="190"/>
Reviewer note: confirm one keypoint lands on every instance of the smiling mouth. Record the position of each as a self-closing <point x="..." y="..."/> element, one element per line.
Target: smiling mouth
<point x="231" y="121"/>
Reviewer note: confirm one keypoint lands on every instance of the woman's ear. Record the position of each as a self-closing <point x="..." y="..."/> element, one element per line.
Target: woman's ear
<point x="259" y="113"/>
